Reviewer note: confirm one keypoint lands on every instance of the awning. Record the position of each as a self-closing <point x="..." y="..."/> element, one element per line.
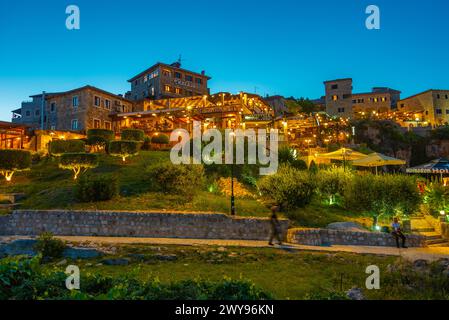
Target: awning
<point x="343" y="154"/>
<point x="438" y="166"/>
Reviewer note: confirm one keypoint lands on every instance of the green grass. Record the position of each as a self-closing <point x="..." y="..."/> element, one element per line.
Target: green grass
<point x="287" y="275"/>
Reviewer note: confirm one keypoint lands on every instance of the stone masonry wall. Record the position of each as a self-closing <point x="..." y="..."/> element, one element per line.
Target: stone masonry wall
<point x="322" y="237"/>
<point x="137" y="224"/>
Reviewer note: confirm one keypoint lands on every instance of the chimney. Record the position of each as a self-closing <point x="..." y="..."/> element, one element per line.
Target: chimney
<point x="203" y="73"/>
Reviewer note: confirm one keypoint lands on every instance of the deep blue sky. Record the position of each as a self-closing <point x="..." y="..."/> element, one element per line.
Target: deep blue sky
<point x="286" y="47"/>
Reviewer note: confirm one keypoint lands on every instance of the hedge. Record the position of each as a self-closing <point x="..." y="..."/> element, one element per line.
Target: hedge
<point x="96" y="188"/>
<point x="133" y="135"/>
<point x="58" y="147"/>
<point x="99" y="138"/>
<point x="124" y="148"/>
<point x="160" y="139"/>
<point x="78" y="161"/>
<point x="12" y="161"/>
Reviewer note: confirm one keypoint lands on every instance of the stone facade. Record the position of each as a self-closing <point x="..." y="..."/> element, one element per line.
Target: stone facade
<point x="322" y="237"/>
<point x="431" y="107"/>
<point x="163" y="81"/>
<point x="137" y="224"/>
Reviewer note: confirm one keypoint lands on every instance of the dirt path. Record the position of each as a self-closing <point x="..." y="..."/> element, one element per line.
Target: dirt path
<point x="430" y="254"/>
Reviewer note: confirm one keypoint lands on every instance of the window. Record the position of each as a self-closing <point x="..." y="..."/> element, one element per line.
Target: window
<point x="52" y="107"/>
<point x="447" y="97"/>
<point x="53" y="127"/>
<point x="376" y="100"/>
<point x="438" y="96"/>
<point x="167" y="88"/>
<point x="107" y="104"/>
<point x="107" y="125"/>
<point x="402" y="105"/>
<point x="447" y="111"/>
<point x="37" y="113"/>
<point x="28" y="113"/>
<point x="354" y="101"/>
<point x="341" y="110"/>
<point x="346" y="96"/>
<point x="152" y="91"/>
<point x="97" y="101"/>
<point x="75" y="124"/>
<point x="199" y="81"/>
<point x="178" y="90"/>
<point x="97" y="124"/>
<point x="145" y="78"/>
<point x="334" y="86"/>
<point x="189" y="78"/>
<point x="384" y="99"/>
<point x="178" y="75"/>
<point x="75" y="101"/>
<point x="334" y="97"/>
<point x="438" y="111"/>
<point x="166" y="73"/>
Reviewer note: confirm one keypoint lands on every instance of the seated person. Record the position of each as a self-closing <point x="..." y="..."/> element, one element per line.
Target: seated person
<point x="397" y="232"/>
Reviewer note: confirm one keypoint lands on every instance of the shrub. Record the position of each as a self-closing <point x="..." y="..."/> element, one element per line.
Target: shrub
<point x="160" y="139"/>
<point x="58" y="147"/>
<point x="289" y="187"/>
<point x="77" y="162"/>
<point x="288" y="156"/>
<point x="133" y="135"/>
<point x="331" y="183"/>
<point x="387" y="194"/>
<point x="96" y="188"/>
<point x="178" y="179"/>
<point x="12" y="161"/>
<point x="436" y="198"/>
<point x="146" y="144"/>
<point x="99" y="139"/>
<point x="124" y="149"/>
<point x="49" y="247"/>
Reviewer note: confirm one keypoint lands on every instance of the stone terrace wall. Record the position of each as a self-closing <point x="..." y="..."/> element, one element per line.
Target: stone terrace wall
<point x="321" y="237"/>
<point x="137" y="224"/>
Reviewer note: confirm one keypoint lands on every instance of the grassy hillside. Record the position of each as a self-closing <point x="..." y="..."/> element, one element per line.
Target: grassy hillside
<point x="48" y="187"/>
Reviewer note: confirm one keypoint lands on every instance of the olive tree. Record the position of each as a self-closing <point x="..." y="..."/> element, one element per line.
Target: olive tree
<point x="124" y="149"/>
<point x="78" y="162"/>
<point x="12" y="161"/>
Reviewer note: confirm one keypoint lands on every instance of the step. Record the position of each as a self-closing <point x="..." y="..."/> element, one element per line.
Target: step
<point x="9" y="206"/>
<point x="443" y="244"/>
<point x="436" y="241"/>
<point x="421" y="230"/>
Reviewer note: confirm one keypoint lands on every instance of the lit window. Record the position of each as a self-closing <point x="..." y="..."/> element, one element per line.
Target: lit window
<point x="178" y="90"/>
<point x="107" y="125"/>
<point x="167" y="88"/>
<point x="335" y="98"/>
<point x="97" y="123"/>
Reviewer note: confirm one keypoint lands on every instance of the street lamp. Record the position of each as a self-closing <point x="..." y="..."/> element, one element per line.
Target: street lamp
<point x="232" y="135"/>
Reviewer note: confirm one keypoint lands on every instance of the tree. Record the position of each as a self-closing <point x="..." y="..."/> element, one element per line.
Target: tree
<point x="12" y="161"/>
<point x="78" y="162"/>
<point x="124" y="149"/>
<point x="58" y="147"/>
<point x="99" y="139"/>
<point x="133" y="135"/>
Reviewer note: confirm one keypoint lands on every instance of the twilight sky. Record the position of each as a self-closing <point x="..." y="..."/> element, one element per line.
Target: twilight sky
<point x="286" y="47"/>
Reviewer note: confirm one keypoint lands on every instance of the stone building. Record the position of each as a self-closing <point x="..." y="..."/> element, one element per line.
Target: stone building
<point x="76" y="110"/>
<point x="429" y="108"/>
<point x="341" y="101"/>
<point x="163" y="81"/>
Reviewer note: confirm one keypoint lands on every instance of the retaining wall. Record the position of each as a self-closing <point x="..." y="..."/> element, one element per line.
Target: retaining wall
<point x="323" y="237"/>
<point x="137" y="224"/>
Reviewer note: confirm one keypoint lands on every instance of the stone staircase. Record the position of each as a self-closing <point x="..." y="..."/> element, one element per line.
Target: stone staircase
<point x="9" y="201"/>
<point x="433" y="238"/>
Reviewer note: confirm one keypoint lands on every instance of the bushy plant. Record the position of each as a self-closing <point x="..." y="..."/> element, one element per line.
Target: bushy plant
<point x="332" y="182"/>
<point x="178" y="179"/>
<point x="78" y="162"/>
<point x="58" y="147"/>
<point x="124" y="149"/>
<point x="436" y="198"/>
<point x="99" y="139"/>
<point x="386" y="194"/>
<point x="224" y="186"/>
<point x="49" y="247"/>
<point x="160" y="139"/>
<point x="133" y="135"/>
<point x="289" y="187"/>
<point x="12" y="161"/>
<point x="96" y="188"/>
<point x="288" y="156"/>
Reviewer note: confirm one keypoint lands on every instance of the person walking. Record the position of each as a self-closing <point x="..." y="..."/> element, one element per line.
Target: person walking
<point x="397" y="232"/>
<point x="275" y="227"/>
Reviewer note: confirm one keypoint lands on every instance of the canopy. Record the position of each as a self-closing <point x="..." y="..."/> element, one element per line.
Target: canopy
<point x="343" y="154"/>
<point x="377" y="160"/>
<point x="438" y="166"/>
